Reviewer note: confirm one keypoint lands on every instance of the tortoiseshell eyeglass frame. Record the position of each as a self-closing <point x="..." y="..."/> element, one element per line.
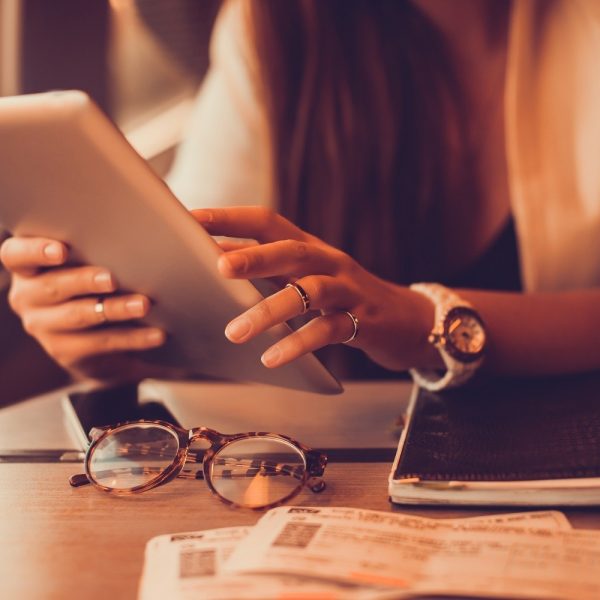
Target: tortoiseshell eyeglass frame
<point x="315" y="461"/>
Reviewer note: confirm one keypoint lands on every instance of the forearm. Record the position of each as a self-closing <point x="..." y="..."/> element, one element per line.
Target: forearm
<point x="531" y="334"/>
<point x="541" y="333"/>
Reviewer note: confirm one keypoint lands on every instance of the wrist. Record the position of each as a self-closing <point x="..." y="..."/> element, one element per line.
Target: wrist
<point x="425" y="355"/>
<point x="458" y="334"/>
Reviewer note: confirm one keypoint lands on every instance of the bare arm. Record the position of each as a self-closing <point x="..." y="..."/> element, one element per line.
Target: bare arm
<point x="540" y="333"/>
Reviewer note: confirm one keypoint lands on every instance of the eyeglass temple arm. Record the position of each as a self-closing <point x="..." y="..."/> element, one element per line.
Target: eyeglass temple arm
<point x="314" y="483"/>
<point x="82" y="479"/>
<point x="79" y="480"/>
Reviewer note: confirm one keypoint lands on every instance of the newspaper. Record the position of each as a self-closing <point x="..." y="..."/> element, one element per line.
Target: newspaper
<point x="192" y="564"/>
<point x="188" y="566"/>
<point x="423" y="556"/>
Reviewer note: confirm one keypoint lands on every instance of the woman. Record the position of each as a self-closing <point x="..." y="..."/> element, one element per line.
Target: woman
<point x="417" y="137"/>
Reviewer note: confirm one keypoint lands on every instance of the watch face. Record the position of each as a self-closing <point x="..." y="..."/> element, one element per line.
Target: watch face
<point x="464" y="334"/>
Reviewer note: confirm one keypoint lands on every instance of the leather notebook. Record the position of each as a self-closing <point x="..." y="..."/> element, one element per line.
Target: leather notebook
<point x="505" y="442"/>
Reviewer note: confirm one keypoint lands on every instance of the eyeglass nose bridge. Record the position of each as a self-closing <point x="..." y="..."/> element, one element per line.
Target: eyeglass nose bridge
<point x="204" y="433"/>
<point x="213" y="438"/>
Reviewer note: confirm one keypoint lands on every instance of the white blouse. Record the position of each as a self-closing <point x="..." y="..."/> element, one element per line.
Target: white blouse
<point x="552" y="116"/>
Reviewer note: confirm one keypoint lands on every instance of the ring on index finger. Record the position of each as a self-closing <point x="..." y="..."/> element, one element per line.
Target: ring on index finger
<point x="303" y="295"/>
<point x="99" y="309"/>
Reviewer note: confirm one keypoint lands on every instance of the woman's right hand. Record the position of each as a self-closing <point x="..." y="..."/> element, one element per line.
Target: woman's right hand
<point x="56" y="303"/>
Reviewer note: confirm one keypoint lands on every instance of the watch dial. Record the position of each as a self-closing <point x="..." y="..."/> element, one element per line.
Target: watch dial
<point x="465" y="332"/>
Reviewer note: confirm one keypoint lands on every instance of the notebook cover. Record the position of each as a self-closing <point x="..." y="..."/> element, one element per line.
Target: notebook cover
<point x="515" y="430"/>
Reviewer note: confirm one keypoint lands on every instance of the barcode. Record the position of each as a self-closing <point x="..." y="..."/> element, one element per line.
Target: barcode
<point x="197" y="563"/>
<point x="297" y="535"/>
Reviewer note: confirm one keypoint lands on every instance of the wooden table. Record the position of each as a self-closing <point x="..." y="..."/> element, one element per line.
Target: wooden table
<point x="60" y="542"/>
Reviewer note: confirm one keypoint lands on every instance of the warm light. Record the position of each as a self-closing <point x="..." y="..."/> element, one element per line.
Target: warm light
<point x="121" y="5"/>
<point x="257" y="493"/>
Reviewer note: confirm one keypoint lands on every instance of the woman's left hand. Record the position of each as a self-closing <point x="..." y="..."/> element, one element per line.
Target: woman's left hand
<point x="393" y="321"/>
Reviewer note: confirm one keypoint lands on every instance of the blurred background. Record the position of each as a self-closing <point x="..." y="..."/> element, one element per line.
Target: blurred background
<point x="141" y="60"/>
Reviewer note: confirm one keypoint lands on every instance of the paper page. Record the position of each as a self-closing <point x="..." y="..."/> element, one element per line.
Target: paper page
<point x="551" y="519"/>
<point x="186" y="566"/>
<point x="175" y="564"/>
<point x="423" y="555"/>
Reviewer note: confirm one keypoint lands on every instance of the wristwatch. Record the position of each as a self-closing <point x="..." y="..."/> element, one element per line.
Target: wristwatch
<point x="459" y="335"/>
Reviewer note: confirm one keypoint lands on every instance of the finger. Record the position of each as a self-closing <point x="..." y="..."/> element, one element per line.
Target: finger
<point x="333" y="328"/>
<point x="256" y="222"/>
<point x="291" y="257"/>
<point x="72" y="348"/>
<point x="322" y="292"/>
<point x="325" y="293"/>
<point x="83" y="314"/>
<point x="26" y="255"/>
<point x="231" y="245"/>
<point x="59" y="285"/>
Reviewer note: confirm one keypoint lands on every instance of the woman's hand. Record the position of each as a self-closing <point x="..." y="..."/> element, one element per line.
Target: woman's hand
<point x="57" y="306"/>
<point x="393" y="322"/>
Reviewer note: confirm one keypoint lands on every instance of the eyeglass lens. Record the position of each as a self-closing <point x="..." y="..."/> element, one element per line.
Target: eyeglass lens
<point x="257" y="471"/>
<point x="251" y="472"/>
<point x="133" y="456"/>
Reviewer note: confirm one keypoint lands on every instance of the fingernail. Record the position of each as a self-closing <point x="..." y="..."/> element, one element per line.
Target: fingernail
<point x="237" y="262"/>
<point x="104" y="281"/>
<point x="238" y="329"/>
<point x="54" y="253"/>
<point x="155" y="337"/>
<point x="135" y="307"/>
<point x="271" y="357"/>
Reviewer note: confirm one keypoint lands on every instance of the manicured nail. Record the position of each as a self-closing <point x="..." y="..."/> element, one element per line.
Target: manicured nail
<point x="155" y="337"/>
<point x="238" y="329"/>
<point x="135" y="307"/>
<point x="237" y="262"/>
<point x="104" y="281"/>
<point x="271" y="357"/>
<point x="54" y="253"/>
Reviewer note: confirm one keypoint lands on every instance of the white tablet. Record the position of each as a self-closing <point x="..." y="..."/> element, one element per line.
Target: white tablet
<point x="67" y="173"/>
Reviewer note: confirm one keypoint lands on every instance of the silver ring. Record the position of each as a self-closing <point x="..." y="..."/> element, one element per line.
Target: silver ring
<point x="303" y="296"/>
<point x="99" y="309"/>
<point x="355" y="323"/>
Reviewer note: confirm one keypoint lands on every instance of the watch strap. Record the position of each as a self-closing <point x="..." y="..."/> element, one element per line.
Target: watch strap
<point x="457" y="373"/>
<point x="453" y="377"/>
<point x="442" y="298"/>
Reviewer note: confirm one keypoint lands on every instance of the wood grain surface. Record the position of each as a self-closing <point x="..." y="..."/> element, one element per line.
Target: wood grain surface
<point x="57" y="542"/>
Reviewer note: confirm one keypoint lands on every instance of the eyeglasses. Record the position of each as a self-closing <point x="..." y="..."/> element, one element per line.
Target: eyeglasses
<point x="250" y="470"/>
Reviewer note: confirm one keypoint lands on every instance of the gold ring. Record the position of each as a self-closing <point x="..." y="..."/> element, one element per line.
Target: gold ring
<point x="355" y="324"/>
<point x="303" y="296"/>
<point x="99" y="309"/>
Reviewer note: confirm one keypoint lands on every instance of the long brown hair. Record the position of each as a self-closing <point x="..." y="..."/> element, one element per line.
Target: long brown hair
<point x="359" y="95"/>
